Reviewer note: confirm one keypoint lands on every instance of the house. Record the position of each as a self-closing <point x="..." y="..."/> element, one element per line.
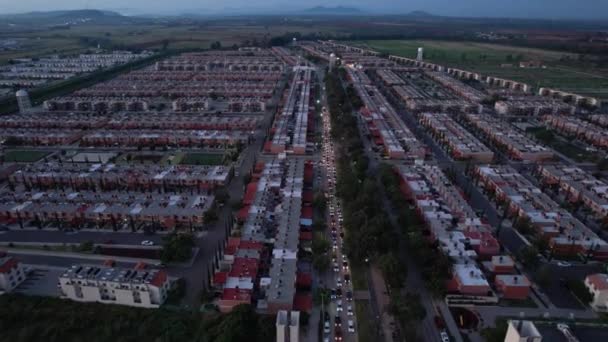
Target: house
<point x="597" y="284"/>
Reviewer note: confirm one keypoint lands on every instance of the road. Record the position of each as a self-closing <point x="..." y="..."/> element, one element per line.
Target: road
<point x="335" y="278"/>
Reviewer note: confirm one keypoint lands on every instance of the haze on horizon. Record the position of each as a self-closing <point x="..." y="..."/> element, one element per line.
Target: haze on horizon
<point x="552" y="9"/>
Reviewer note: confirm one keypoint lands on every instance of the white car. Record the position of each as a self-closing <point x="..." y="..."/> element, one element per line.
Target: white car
<point x="339" y="307"/>
<point x="339" y="282"/>
<point x="349" y="310"/>
<point x="147" y="243"/>
<point x="351" y="326"/>
<point x="444" y="337"/>
<point x="563" y="264"/>
<point x="326" y="327"/>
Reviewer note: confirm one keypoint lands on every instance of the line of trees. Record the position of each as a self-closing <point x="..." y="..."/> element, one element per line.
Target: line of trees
<point x="25" y="318"/>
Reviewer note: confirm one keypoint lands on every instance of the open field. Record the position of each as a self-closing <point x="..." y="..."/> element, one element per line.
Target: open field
<point x="487" y="59"/>
<point x="143" y="36"/>
<point x="23" y="156"/>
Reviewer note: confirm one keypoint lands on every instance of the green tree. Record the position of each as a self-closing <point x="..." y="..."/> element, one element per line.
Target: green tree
<point x="177" y="247"/>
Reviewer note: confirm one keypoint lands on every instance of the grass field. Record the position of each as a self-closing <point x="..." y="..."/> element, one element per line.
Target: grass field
<point x="23" y="156"/>
<point x="487" y="59"/>
<point x="202" y="159"/>
<point x="364" y="321"/>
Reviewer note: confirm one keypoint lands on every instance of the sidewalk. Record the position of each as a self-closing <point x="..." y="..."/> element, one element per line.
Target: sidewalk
<point x="382" y="302"/>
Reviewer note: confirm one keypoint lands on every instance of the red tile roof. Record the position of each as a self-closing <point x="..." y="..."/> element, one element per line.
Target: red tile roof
<point x="307" y="212"/>
<point x="302" y="301"/>
<point x="244" y="267"/>
<point x="599" y="281"/>
<point x="9" y="264"/>
<point x="220" y="278"/>
<point x="159" y="279"/>
<point x="236" y="294"/>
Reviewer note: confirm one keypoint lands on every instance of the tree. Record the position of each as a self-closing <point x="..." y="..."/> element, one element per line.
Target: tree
<point x="177" y="248"/>
<point x="216" y="45"/>
<point x="496" y="334"/>
<point x="319" y="201"/>
<point x="222" y="195"/>
<point x="394" y="272"/>
<point x="528" y="256"/>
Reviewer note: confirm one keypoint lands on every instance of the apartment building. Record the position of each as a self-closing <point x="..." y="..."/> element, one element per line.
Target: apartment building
<point x="144" y="288"/>
<point x="153" y="137"/>
<point x="516" y="144"/>
<point x="579" y="186"/>
<point x="567" y="236"/>
<point x="513" y="286"/>
<point x="584" y="130"/>
<point x="597" y="284"/>
<point x="457" y="87"/>
<point x="12" y="273"/>
<point x="460" y="143"/>
<point x="39" y="136"/>
<point x="599" y="119"/>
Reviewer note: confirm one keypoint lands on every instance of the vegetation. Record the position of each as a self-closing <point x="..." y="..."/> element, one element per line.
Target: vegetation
<point x="496" y="334"/>
<point x="564" y="70"/>
<point x="364" y="321"/>
<point x="23" y="156"/>
<point x="25" y="318"/>
<point x="320" y="248"/>
<point x="177" y="248"/>
<point x="202" y="159"/>
<point x="578" y="288"/>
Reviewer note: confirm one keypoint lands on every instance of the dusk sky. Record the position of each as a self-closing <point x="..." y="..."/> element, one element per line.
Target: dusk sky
<point x="591" y="9"/>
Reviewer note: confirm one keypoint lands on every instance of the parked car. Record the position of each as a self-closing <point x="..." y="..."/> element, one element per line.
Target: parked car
<point x="147" y="243"/>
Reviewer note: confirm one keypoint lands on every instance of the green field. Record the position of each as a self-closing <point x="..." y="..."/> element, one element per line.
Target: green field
<point x="24" y="156"/>
<point x="487" y="59"/>
<point x="202" y="159"/>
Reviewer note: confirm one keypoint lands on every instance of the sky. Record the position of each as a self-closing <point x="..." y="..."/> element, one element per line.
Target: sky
<point x="554" y="9"/>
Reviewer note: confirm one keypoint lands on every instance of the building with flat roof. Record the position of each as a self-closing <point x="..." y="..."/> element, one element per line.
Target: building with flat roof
<point x="584" y="130"/>
<point x="288" y="326"/>
<point x="522" y="331"/>
<point x="513" y="286"/>
<point x="145" y="288"/>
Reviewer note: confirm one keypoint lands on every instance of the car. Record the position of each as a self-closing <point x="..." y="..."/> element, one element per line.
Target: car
<point x="349" y="296"/>
<point x="333" y="294"/>
<point x="351" y="326"/>
<point x="563" y="264"/>
<point x="147" y="243"/>
<point x="339" y="307"/>
<point x="339" y="293"/>
<point x="347" y="279"/>
<point x="344" y="263"/>
<point x="326" y="327"/>
<point x="338" y="334"/>
<point x="336" y="269"/>
<point x="339" y="282"/>
<point x="444" y="336"/>
<point x="349" y="310"/>
<point x="338" y="321"/>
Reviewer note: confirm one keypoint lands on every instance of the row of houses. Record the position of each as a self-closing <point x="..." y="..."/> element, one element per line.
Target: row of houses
<point x="116" y="209"/>
<point x="121" y="176"/>
<point x="517" y="145"/>
<point x="584" y="130"/>
<point x="294" y="119"/>
<point x="532" y="106"/>
<point x="386" y="127"/>
<point x="461" y="144"/>
<point x="579" y="185"/>
<point x="261" y="266"/>
<point x="525" y="202"/>
<point x="460" y="235"/>
<point x="87" y="120"/>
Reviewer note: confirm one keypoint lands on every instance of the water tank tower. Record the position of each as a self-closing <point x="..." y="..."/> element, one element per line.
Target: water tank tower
<point x="420" y="54"/>
<point x="23" y="101"/>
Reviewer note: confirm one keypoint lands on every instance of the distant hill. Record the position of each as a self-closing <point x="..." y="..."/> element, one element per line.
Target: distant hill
<point x="420" y="14"/>
<point x="332" y="10"/>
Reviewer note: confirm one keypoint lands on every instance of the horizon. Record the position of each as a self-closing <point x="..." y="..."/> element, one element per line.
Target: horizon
<point x="520" y="9"/>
